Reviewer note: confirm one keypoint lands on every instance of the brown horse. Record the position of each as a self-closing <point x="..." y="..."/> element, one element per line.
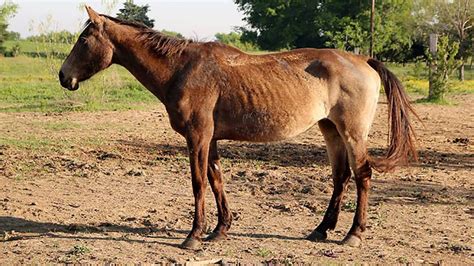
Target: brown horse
<point x="212" y="92"/>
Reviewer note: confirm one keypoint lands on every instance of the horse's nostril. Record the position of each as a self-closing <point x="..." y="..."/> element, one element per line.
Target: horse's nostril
<point x="61" y="76"/>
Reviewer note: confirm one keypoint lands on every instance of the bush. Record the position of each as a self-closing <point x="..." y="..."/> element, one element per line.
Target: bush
<point x="16" y="50"/>
<point x="443" y="63"/>
<point x="235" y="39"/>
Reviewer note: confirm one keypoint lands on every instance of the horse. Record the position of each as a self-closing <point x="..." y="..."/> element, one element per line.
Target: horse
<point x="213" y="92"/>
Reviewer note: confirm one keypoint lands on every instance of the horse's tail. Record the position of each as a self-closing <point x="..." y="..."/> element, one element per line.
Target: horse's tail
<point x="401" y="134"/>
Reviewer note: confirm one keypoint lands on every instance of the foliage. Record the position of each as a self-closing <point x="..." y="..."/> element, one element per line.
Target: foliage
<point x="280" y="24"/>
<point x="444" y="63"/>
<point x="235" y="39"/>
<point x="133" y="12"/>
<point x="453" y="18"/>
<point x="38" y="49"/>
<point x="277" y="24"/>
<point x="12" y="36"/>
<point x="7" y="11"/>
<point x="172" y="33"/>
<point x="350" y="37"/>
<point x="108" y="5"/>
<point x="14" y="51"/>
<point x="54" y="37"/>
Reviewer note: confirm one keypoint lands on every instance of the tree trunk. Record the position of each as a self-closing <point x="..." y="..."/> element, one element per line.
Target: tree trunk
<point x="461" y="71"/>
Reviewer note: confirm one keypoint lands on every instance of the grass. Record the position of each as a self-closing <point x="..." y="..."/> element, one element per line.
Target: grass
<point x="349" y="206"/>
<point x="79" y="250"/>
<point x="32" y="47"/>
<point x="415" y="79"/>
<point x="35" y="49"/>
<point x="30" y="143"/>
<point x="30" y="84"/>
<point x="263" y="252"/>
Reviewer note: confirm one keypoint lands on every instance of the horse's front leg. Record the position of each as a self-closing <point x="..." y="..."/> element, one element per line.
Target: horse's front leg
<point x="198" y="138"/>
<point x="224" y="215"/>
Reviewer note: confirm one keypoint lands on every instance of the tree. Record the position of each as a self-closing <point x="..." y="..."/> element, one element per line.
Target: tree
<point x="444" y="63"/>
<point x="172" y="33"/>
<point x="235" y="39"/>
<point x="133" y="12"/>
<point x="277" y="24"/>
<point x="458" y="16"/>
<point x="12" y="36"/>
<point x="454" y="18"/>
<point x="7" y="11"/>
<point x="351" y="36"/>
<point x="64" y="36"/>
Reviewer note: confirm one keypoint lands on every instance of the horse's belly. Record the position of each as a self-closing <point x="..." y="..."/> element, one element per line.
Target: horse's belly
<point x="262" y="125"/>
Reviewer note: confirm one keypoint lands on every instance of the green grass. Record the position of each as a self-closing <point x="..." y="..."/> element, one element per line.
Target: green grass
<point x="30" y="84"/>
<point x="263" y="252"/>
<point x="415" y="79"/>
<point x="29" y="143"/>
<point x="79" y="250"/>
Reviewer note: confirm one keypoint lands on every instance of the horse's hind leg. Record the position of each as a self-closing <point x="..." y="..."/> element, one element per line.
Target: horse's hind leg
<point x="341" y="174"/>
<point x="214" y="175"/>
<point x="355" y="139"/>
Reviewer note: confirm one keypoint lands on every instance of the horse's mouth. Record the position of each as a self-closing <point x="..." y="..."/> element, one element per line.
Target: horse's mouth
<point x="72" y="85"/>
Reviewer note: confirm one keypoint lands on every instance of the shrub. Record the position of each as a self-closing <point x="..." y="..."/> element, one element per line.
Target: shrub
<point x="443" y="65"/>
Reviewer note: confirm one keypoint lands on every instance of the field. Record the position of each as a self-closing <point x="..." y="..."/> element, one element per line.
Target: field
<point x="31" y="84"/>
<point x="99" y="176"/>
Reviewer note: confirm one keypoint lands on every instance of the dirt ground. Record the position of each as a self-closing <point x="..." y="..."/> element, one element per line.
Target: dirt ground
<point x="115" y="187"/>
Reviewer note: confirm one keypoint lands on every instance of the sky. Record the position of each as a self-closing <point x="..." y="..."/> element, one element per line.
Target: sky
<point x="197" y="19"/>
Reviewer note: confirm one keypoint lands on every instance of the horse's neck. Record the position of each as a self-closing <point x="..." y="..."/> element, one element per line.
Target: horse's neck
<point x="154" y="71"/>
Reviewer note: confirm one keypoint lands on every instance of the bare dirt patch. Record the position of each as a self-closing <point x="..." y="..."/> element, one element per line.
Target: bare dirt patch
<point x="115" y="187"/>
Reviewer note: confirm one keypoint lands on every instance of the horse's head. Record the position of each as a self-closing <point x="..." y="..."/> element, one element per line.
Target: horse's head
<point x="92" y="53"/>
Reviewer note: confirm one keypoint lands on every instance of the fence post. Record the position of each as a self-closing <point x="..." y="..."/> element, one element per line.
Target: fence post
<point x="432" y="66"/>
<point x="372" y="29"/>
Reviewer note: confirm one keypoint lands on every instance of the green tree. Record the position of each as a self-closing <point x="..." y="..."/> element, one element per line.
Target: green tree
<point x="458" y="16"/>
<point x="351" y="36"/>
<point x="7" y="11"/>
<point x="235" y="39"/>
<point x="172" y="33"/>
<point x="276" y="24"/>
<point x="443" y="63"/>
<point x="454" y="18"/>
<point x="64" y="36"/>
<point x="133" y="12"/>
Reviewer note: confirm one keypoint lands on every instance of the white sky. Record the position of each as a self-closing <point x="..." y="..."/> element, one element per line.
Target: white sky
<point x="193" y="18"/>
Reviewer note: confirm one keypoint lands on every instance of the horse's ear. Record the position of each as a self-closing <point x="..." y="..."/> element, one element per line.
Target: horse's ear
<point x="94" y="16"/>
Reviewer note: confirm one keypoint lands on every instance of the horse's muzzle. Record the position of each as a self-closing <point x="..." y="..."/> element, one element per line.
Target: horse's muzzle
<point x="70" y="84"/>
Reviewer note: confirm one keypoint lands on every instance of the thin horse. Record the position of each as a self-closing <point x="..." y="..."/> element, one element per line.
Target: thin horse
<point x="213" y="92"/>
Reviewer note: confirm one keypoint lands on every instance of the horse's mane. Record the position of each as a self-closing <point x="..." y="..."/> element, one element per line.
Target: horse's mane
<point x="155" y="40"/>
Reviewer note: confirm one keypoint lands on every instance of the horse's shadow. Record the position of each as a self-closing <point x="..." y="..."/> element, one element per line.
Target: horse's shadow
<point x="21" y="229"/>
<point x="16" y="228"/>
<point x="286" y="154"/>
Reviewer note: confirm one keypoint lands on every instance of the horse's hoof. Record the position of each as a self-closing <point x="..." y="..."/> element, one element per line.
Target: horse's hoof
<point x="352" y="241"/>
<point x="317" y="236"/>
<point x="191" y="244"/>
<point x="216" y="236"/>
